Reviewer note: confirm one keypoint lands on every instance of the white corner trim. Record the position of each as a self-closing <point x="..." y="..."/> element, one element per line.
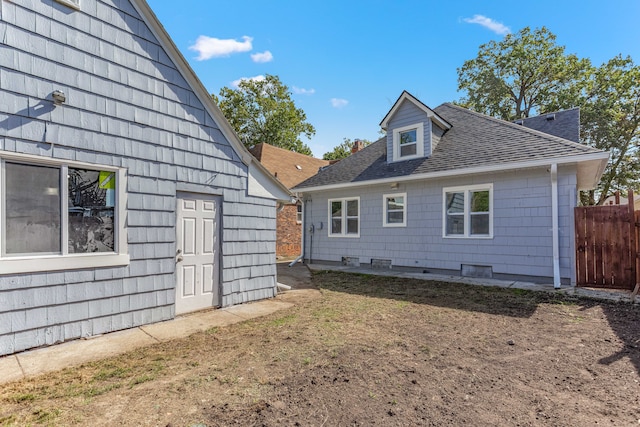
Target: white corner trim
<point x="555" y="225"/>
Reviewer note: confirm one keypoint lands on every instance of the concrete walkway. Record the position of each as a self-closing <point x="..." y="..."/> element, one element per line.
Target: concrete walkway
<point x="608" y="295"/>
<point x="73" y="353"/>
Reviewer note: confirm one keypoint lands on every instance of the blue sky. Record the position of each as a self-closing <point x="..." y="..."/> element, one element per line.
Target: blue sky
<point x="346" y="62"/>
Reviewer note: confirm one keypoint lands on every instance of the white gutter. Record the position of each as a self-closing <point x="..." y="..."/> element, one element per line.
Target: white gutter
<point x="301" y="257"/>
<point x="602" y="157"/>
<point x="554" y="225"/>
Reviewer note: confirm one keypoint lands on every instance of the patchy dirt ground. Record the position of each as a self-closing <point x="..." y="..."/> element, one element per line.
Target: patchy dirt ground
<point x="367" y="351"/>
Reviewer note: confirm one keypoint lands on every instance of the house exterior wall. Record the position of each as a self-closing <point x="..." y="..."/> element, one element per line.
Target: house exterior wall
<point x="408" y="114"/>
<point x="522" y="234"/>
<point x="436" y="135"/>
<point x="288" y="232"/>
<point x="128" y="107"/>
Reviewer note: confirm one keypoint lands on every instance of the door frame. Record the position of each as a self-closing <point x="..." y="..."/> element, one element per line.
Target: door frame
<point x="218" y="199"/>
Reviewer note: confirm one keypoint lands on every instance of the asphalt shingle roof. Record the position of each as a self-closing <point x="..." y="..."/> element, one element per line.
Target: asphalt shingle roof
<point x="565" y="124"/>
<point x="474" y="140"/>
<point x="289" y="167"/>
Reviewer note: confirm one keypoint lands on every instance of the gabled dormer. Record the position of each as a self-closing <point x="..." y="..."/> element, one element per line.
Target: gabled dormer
<point x="413" y="129"/>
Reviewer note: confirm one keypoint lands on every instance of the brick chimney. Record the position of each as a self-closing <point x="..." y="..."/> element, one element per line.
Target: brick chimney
<point x="357" y="146"/>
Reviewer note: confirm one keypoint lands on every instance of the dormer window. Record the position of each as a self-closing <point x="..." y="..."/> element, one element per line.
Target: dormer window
<point x="408" y="142"/>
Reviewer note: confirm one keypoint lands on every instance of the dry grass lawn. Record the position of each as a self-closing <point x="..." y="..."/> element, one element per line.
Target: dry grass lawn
<point x="369" y="351"/>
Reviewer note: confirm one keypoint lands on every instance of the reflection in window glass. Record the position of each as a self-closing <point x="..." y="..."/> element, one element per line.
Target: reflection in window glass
<point x="336" y="217"/>
<point x="395" y="210"/>
<point x="33" y="214"/>
<point x="352" y="217"/>
<point x="344" y="217"/>
<point x="479" y="212"/>
<point x="408" y="143"/>
<point x="299" y="213"/>
<point x="468" y="213"/>
<point x="479" y="201"/>
<point x="91" y="210"/>
<point x="455" y="213"/>
<point x="480" y="224"/>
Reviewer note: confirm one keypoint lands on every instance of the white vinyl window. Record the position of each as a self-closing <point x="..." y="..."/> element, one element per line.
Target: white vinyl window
<point x="394" y="210"/>
<point x="57" y="216"/>
<point x="408" y="142"/>
<point x="299" y="213"/>
<point x="468" y="211"/>
<point x="344" y="217"/>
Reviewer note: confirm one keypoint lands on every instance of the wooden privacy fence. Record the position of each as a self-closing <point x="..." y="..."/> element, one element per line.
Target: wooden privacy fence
<point x="607" y="240"/>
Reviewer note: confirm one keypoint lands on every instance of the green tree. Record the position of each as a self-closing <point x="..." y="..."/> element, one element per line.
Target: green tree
<point x="529" y="73"/>
<point x="609" y="101"/>
<point x="343" y="150"/>
<point x="263" y="111"/>
<point x="512" y="78"/>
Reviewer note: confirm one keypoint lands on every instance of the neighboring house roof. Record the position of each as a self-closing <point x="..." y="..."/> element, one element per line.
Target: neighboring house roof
<point x="475" y="143"/>
<point x="258" y="176"/>
<point x="611" y="200"/>
<point x="565" y="124"/>
<point x="289" y="167"/>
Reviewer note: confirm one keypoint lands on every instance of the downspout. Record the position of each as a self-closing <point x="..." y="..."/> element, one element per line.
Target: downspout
<point x="304" y="214"/>
<point x="554" y="225"/>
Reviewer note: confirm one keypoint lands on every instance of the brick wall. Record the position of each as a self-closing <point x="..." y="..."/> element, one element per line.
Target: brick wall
<point x="288" y="232"/>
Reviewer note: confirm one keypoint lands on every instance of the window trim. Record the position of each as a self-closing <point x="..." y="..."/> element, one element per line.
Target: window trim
<point x="385" y="206"/>
<point x="344" y="218"/>
<point x="467" y="190"/>
<point x="419" y="127"/>
<point x="299" y="212"/>
<point x="64" y="260"/>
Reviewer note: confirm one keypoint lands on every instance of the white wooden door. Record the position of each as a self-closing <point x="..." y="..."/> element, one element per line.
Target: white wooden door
<point x="197" y="253"/>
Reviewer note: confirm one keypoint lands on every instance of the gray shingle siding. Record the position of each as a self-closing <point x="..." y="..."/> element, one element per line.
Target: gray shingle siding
<point x="522" y="241"/>
<point x="127" y="106"/>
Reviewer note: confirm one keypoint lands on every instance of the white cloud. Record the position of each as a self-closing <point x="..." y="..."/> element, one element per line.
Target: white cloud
<point x="301" y="91"/>
<point x="339" y="103"/>
<point x="496" y="27"/>
<point x="259" y="78"/>
<point x="210" y="47"/>
<point x="265" y="56"/>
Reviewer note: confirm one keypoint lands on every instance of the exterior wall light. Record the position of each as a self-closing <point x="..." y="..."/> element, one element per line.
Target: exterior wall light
<point x="59" y="97"/>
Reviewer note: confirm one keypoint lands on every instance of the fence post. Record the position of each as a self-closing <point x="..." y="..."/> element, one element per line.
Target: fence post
<point x="635" y="256"/>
